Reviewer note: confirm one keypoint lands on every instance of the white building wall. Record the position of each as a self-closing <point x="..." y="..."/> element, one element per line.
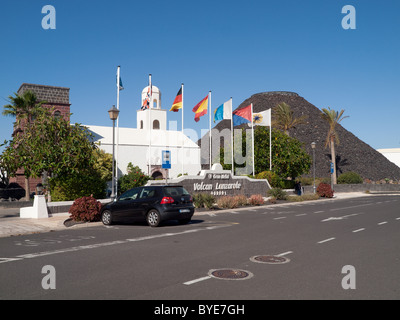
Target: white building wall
<point x="393" y="155"/>
<point x="134" y="148"/>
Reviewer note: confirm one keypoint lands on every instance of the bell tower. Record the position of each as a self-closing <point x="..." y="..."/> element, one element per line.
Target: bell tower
<point x="153" y="117"/>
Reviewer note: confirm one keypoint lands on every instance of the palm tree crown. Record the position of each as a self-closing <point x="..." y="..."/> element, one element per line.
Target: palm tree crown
<point x="284" y="118"/>
<point x="333" y="118"/>
<point x="25" y="106"/>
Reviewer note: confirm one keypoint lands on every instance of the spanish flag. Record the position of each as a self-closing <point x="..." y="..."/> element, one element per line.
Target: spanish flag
<point x="200" y="109"/>
<point x="177" y="102"/>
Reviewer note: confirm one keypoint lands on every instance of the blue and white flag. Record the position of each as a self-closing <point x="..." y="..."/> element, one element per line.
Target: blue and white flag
<point x="224" y="111"/>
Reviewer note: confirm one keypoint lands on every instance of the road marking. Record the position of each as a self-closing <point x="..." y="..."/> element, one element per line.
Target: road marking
<point x="398" y="218"/>
<point x="279" y="218"/>
<point x="196" y="280"/>
<point x="340" y="218"/>
<point x="319" y="211"/>
<point x="381" y="223"/>
<point x="358" y="230"/>
<point x="326" y="240"/>
<point x="283" y="254"/>
<point x="360" y="205"/>
<point x="103" y="244"/>
<point x="301" y="214"/>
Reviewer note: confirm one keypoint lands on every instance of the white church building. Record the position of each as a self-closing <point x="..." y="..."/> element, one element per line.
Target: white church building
<point x="143" y="145"/>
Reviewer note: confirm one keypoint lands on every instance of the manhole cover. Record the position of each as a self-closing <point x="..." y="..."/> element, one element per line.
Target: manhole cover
<point x="230" y="274"/>
<point x="270" y="259"/>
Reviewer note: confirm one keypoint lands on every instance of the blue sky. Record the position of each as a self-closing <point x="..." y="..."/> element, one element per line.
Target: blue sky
<point x="234" y="48"/>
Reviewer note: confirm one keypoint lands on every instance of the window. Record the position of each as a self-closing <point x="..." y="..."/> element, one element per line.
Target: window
<point x="175" y="191"/>
<point x="57" y="114"/>
<point x="148" y="192"/>
<point x="156" y="124"/>
<point x="131" y="194"/>
<point x="141" y="124"/>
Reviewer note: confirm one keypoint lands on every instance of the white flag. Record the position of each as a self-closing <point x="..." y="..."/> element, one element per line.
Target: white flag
<point x="262" y="118"/>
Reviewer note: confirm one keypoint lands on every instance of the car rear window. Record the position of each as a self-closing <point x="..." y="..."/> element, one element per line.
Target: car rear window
<point x="175" y="191"/>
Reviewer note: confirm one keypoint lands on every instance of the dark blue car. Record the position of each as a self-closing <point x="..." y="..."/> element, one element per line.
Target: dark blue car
<point x="152" y="204"/>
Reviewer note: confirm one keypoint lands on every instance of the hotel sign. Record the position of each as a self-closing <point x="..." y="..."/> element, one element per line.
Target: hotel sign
<point x="220" y="184"/>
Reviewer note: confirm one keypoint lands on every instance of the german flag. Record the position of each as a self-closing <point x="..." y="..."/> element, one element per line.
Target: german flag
<point x="200" y="109"/>
<point x="177" y="102"/>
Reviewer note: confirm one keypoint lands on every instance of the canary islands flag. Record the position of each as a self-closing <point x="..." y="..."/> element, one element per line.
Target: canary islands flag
<point x="224" y="111"/>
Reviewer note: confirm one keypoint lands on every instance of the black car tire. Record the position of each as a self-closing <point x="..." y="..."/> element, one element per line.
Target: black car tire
<point x="106" y="218"/>
<point x="184" y="221"/>
<point x="153" y="218"/>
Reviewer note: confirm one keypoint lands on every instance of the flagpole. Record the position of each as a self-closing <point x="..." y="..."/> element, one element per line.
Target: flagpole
<point x="209" y="110"/>
<point x="233" y="170"/>
<point x="252" y="133"/>
<point x="116" y="153"/>
<point x="183" y="157"/>
<point x="270" y="141"/>
<point x="150" y="103"/>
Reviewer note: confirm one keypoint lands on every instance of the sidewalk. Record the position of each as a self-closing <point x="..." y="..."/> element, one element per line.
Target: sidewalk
<point x="15" y="226"/>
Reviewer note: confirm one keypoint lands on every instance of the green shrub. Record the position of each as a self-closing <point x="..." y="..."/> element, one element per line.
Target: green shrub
<point x="85" y="209"/>
<point x="273" y="179"/>
<point x="277" y="193"/>
<point x="77" y="185"/>
<point x="304" y="197"/>
<point x="349" y="178"/>
<point x="287" y="184"/>
<point x="203" y="200"/>
<point x="325" y="190"/>
<point x="134" y="178"/>
<point x="256" y="200"/>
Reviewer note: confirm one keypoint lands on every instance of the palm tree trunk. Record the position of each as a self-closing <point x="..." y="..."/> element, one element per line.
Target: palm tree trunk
<point x="333" y="155"/>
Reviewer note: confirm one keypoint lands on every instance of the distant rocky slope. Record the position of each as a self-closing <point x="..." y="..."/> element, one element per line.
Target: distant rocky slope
<point x="352" y="154"/>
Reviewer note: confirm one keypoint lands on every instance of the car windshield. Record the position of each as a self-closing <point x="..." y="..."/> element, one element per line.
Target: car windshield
<point x="175" y="191"/>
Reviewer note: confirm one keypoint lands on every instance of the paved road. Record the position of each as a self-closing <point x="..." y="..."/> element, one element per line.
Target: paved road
<point x="173" y="262"/>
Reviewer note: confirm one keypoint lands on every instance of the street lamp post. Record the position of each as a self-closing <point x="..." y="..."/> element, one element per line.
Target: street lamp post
<point x="113" y="113"/>
<point x="313" y="144"/>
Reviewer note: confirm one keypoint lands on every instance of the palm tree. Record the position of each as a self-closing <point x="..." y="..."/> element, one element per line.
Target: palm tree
<point x="333" y="118"/>
<point x="284" y="118"/>
<point x="23" y="107"/>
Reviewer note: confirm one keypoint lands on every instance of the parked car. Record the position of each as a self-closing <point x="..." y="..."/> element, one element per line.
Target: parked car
<point x="153" y="204"/>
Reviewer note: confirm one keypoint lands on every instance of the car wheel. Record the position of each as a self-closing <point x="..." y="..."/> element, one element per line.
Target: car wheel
<point x="106" y="218"/>
<point x="153" y="218"/>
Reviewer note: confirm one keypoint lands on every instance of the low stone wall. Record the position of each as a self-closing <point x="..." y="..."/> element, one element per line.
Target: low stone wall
<point x="381" y="188"/>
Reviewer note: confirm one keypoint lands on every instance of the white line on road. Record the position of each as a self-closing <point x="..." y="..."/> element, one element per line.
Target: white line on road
<point x="360" y="205"/>
<point x="284" y="254"/>
<point x="358" y="230"/>
<point x="398" y="218"/>
<point x="319" y="211"/>
<point x="103" y="244"/>
<point x="326" y="240"/>
<point x="279" y="218"/>
<point x="381" y="223"/>
<point x="301" y="214"/>
<point x="196" y="280"/>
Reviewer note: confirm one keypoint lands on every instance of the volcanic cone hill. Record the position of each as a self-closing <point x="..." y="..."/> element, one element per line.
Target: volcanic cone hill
<point x="352" y="154"/>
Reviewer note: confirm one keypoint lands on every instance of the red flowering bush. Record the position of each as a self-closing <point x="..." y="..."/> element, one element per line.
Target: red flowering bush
<point x="256" y="200"/>
<point x="85" y="209"/>
<point x="325" y="190"/>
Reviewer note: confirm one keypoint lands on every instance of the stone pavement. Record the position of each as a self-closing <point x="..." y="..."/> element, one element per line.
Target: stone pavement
<point x="15" y="226"/>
